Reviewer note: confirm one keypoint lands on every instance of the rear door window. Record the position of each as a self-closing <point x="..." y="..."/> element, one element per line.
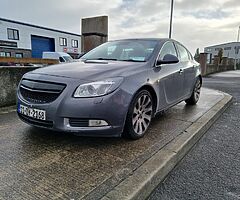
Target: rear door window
<point x="183" y="52"/>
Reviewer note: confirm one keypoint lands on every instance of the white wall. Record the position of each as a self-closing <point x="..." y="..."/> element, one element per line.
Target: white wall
<point x="25" y="33"/>
<point x="226" y="53"/>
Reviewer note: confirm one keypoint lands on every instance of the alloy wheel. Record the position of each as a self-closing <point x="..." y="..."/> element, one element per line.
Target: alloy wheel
<point x="142" y="114"/>
<point x="197" y="90"/>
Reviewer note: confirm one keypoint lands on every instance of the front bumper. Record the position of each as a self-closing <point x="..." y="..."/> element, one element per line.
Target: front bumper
<point x="112" y="108"/>
<point x="105" y="131"/>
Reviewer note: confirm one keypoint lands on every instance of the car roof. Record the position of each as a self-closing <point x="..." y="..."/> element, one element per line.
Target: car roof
<point x="149" y="39"/>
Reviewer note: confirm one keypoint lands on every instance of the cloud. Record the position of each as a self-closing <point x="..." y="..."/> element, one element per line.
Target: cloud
<point x="208" y="14"/>
<point x="231" y="4"/>
<point x="196" y="23"/>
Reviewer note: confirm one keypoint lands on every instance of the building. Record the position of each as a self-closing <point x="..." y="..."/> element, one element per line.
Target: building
<point x="230" y="50"/>
<point x="22" y="40"/>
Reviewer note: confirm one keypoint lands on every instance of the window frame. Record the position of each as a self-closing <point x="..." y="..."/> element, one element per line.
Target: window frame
<point x="174" y="45"/>
<point x="9" y="53"/>
<point x="73" y="43"/>
<point x="64" y="44"/>
<point x="1" y="54"/>
<point x="227" y="48"/>
<point x="13" y="31"/>
<point x="18" y="54"/>
<point x="218" y="49"/>
<point x="188" y="53"/>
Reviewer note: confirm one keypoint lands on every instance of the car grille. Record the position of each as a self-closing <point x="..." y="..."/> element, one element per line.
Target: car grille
<point x="73" y="122"/>
<point x="40" y="92"/>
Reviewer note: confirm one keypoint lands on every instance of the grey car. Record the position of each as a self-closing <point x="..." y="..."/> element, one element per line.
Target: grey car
<point x="115" y="89"/>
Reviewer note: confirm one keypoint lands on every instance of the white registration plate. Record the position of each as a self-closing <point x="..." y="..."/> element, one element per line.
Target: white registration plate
<point x="32" y="112"/>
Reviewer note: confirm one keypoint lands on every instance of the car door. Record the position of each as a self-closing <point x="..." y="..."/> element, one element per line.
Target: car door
<point x="188" y="69"/>
<point x="171" y="76"/>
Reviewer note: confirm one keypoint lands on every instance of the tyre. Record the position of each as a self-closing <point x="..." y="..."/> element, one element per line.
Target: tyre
<point x="195" y="94"/>
<point x="139" y="115"/>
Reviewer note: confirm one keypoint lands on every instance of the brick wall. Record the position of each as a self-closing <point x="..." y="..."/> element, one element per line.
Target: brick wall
<point x="216" y="66"/>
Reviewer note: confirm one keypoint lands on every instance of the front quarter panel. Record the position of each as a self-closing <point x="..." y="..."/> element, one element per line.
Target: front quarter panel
<point x="145" y="77"/>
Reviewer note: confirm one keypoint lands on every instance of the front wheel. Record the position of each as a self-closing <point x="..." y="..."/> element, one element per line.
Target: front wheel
<point x="195" y="94"/>
<point x="139" y="115"/>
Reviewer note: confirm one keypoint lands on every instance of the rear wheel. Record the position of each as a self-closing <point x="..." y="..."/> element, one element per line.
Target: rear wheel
<point x="139" y="115"/>
<point x="195" y="94"/>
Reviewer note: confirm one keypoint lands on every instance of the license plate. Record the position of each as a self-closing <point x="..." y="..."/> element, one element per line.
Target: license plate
<point x="32" y="112"/>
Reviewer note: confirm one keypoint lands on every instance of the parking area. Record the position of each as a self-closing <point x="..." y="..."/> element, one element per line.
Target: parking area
<point x="38" y="164"/>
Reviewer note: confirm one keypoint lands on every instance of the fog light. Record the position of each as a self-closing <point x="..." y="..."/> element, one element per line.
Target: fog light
<point x="95" y="123"/>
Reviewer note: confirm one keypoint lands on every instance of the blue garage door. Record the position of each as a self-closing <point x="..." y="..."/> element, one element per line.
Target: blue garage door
<point x="41" y="44"/>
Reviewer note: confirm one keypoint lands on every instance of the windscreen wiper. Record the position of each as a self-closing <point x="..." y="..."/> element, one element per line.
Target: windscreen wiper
<point x="114" y="59"/>
<point x="132" y="60"/>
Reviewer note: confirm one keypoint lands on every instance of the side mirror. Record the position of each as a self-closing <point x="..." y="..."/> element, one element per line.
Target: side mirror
<point x="168" y="59"/>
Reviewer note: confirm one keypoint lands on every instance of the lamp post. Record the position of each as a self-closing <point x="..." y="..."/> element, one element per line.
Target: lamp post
<point x="238" y="34"/>
<point x="171" y="19"/>
<point x="236" y="50"/>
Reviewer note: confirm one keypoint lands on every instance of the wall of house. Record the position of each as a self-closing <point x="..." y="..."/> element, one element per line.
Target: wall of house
<point x="228" y="50"/>
<point x="95" y="33"/>
<point x="25" y="33"/>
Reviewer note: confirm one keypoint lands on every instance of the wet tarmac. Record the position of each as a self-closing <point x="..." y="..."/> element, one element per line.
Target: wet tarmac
<point x="40" y="164"/>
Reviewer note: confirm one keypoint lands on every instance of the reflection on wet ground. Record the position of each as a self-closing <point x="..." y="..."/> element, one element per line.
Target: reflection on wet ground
<point x="36" y="163"/>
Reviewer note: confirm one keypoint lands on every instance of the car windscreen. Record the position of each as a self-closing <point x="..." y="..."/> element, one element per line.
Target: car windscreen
<point x="126" y="50"/>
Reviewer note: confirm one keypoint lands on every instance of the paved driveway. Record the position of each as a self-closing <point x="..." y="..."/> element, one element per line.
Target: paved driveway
<point x="40" y="164"/>
<point x="212" y="169"/>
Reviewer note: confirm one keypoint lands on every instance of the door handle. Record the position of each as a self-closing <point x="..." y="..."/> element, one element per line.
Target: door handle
<point x="180" y="71"/>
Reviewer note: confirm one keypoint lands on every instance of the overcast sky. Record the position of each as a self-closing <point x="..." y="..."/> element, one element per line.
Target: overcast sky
<point x="197" y="23"/>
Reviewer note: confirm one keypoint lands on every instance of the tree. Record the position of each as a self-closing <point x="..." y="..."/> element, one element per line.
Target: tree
<point x="197" y="55"/>
<point x="220" y="55"/>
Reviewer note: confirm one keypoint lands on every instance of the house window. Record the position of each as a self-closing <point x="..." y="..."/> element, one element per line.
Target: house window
<point x="63" y="41"/>
<point x="5" y="54"/>
<point x="237" y="49"/>
<point x="13" y="34"/>
<point x="227" y="48"/>
<point x="8" y="54"/>
<point x="2" y="54"/>
<point x="19" y="55"/>
<point x="218" y="49"/>
<point x="75" y="43"/>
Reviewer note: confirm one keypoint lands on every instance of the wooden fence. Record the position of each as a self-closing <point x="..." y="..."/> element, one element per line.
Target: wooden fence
<point x="26" y="61"/>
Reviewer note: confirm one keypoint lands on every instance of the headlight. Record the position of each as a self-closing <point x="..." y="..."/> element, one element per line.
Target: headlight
<point x="98" y="88"/>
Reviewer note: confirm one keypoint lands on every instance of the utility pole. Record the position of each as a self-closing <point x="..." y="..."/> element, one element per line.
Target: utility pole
<point x="238" y="34"/>
<point x="171" y="19"/>
<point x="236" y="50"/>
